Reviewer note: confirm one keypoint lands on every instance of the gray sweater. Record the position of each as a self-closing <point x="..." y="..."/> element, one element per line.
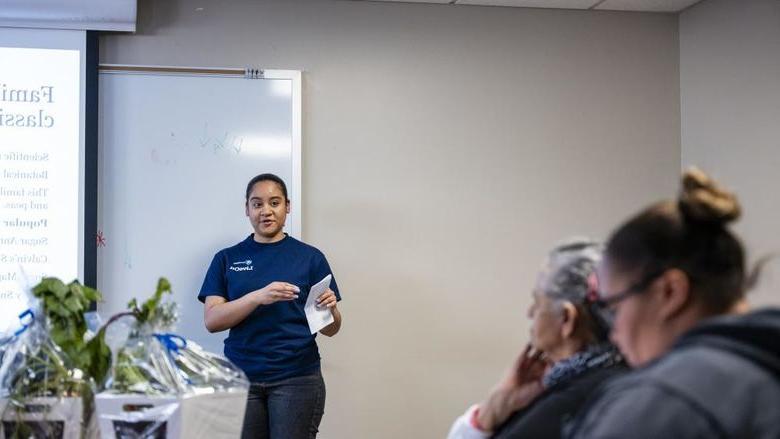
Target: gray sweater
<point x="720" y="380"/>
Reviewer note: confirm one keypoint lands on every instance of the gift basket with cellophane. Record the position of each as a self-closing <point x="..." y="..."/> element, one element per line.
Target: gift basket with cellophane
<point x="162" y="385"/>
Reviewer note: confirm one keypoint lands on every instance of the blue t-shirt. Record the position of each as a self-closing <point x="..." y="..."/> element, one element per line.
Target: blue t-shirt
<point x="274" y="341"/>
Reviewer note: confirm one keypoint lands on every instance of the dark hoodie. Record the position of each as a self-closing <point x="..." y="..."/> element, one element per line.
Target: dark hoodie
<point x="720" y="380"/>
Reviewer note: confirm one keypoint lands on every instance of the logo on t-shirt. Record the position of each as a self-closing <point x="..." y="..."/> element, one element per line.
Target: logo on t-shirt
<point x="241" y="266"/>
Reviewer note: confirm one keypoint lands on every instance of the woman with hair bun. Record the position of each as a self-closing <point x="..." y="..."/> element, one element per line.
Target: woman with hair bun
<point x="568" y="356"/>
<point x="674" y="278"/>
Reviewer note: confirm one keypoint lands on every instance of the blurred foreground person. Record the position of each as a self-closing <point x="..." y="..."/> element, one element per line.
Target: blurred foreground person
<point x="568" y="356"/>
<point x="674" y="278"/>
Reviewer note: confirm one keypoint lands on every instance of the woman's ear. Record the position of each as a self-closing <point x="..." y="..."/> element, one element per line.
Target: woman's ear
<point x="569" y="316"/>
<point x="675" y="290"/>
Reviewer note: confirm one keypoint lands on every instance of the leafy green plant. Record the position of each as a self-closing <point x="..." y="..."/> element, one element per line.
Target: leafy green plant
<point x="153" y="311"/>
<point x="47" y="373"/>
<point x="130" y="374"/>
<point x="64" y="307"/>
<point x="127" y="376"/>
<point x="58" y="361"/>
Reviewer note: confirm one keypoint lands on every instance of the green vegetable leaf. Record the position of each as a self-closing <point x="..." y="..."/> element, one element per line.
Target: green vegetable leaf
<point x="149" y="309"/>
<point x="92" y="294"/>
<point x="74" y="304"/>
<point x="59" y="335"/>
<point x="59" y="310"/>
<point x="63" y="308"/>
<point x="52" y="285"/>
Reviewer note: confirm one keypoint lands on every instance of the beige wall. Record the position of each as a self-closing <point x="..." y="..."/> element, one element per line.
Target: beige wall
<point x="730" y="100"/>
<point x="446" y="148"/>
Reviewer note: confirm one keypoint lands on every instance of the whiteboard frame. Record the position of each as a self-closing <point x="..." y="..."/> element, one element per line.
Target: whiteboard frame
<point x="294" y="76"/>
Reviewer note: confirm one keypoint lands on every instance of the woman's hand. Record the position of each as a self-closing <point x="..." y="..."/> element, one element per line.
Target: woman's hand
<point x="528" y="367"/>
<point x="519" y="387"/>
<point x="327" y="299"/>
<point x="275" y="292"/>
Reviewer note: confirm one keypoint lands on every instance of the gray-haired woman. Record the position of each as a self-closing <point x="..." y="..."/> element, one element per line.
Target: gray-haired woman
<point x="567" y="358"/>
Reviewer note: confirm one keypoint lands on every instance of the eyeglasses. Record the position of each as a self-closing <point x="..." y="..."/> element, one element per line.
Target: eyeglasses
<point x="608" y="303"/>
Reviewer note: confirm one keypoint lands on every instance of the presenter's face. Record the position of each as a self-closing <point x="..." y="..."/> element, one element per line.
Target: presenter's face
<point x="267" y="210"/>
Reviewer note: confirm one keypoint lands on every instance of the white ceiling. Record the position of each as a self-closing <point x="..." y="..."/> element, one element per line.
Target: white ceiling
<point x="606" y="5"/>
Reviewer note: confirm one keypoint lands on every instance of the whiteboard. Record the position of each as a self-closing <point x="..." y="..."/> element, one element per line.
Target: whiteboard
<point x="175" y="154"/>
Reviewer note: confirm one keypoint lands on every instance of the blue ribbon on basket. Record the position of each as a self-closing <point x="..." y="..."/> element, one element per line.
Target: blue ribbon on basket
<point x="172" y="342"/>
<point x="20" y="331"/>
<point x="25" y="325"/>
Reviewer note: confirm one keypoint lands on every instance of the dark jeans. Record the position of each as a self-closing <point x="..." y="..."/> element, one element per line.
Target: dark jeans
<point x="287" y="409"/>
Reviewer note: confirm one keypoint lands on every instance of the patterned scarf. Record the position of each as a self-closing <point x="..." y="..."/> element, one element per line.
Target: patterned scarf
<point x="596" y="356"/>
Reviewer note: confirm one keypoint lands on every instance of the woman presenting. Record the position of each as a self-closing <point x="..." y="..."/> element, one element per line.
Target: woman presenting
<point x="257" y="289"/>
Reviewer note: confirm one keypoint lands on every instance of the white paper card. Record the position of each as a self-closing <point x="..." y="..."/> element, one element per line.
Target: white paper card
<point x="317" y="317"/>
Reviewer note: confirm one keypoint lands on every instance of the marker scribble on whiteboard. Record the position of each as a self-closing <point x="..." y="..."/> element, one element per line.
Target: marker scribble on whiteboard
<point x="128" y="259"/>
<point x="228" y="142"/>
<point x="157" y="159"/>
<point x="220" y="144"/>
<point x="205" y="139"/>
<point x="238" y="144"/>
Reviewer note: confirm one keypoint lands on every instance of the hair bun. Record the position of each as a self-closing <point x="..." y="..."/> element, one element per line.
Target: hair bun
<point x="701" y="199"/>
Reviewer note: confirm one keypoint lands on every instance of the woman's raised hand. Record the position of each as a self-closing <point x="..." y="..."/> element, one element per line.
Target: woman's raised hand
<point x="276" y="292"/>
<point x="519" y="387"/>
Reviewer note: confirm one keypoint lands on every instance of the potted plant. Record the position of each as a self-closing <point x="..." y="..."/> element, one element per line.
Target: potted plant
<point x="51" y="391"/>
<point x="164" y="386"/>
